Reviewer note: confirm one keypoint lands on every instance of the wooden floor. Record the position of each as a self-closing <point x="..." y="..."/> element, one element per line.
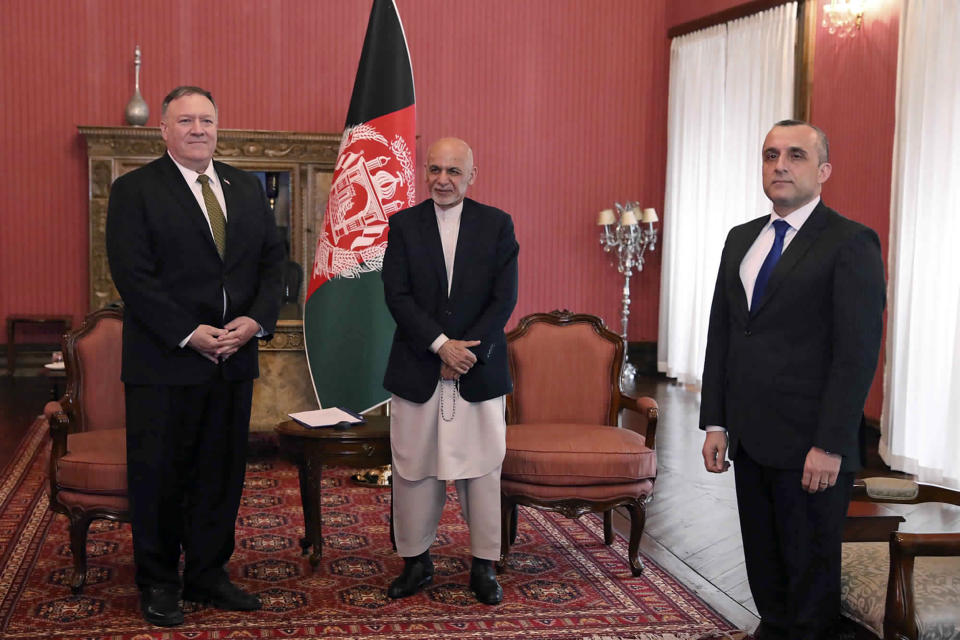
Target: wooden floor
<point x="692" y="528"/>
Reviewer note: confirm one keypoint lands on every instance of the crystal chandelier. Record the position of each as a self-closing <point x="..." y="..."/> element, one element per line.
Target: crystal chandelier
<point x="843" y="17"/>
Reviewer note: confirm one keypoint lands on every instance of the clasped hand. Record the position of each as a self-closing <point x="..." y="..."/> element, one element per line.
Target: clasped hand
<point x="216" y="345"/>
<point x="456" y="358"/>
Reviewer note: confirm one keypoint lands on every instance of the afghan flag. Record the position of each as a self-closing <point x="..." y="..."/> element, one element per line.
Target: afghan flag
<point x="346" y="325"/>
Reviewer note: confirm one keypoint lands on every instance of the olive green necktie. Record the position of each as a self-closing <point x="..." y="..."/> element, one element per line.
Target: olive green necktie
<point x="218" y="223"/>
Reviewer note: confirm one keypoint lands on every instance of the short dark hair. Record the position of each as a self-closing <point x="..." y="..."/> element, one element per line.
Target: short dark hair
<point x="186" y="90"/>
<point x="823" y="153"/>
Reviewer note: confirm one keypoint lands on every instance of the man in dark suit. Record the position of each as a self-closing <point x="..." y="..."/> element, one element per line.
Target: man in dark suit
<point x="450" y="279"/>
<point x="194" y="253"/>
<point x="791" y="352"/>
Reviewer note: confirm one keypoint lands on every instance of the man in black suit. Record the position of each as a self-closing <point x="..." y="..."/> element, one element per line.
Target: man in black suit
<point x="194" y="253"/>
<point x="450" y="280"/>
<point x="791" y="351"/>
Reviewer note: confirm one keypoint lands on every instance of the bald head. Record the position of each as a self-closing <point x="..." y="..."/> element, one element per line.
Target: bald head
<point x="450" y="171"/>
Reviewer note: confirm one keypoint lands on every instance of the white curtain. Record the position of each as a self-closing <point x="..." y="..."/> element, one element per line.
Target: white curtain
<point x="728" y="85"/>
<point x="920" y="423"/>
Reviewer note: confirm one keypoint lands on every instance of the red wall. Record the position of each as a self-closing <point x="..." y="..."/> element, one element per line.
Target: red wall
<point x="563" y="101"/>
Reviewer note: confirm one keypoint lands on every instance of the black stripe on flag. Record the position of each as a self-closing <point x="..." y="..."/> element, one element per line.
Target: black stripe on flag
<point x="384" y="81"/>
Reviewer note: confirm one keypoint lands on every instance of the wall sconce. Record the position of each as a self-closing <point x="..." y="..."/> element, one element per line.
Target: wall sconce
<point x="843" y="17"/>
<point x="631" y="236"/>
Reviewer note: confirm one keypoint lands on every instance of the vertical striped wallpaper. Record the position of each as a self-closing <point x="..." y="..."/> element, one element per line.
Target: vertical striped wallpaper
<point x="854" y="102"/>
<point x="564" y="102"/>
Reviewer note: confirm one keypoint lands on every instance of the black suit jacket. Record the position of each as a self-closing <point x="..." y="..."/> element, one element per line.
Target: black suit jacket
<point x="795" y="372"/>
<point x="166" y="267"/>
<point x="482" y="297"/>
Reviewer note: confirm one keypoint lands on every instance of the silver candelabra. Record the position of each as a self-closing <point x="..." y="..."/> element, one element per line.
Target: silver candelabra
<point x="630" y="232"/>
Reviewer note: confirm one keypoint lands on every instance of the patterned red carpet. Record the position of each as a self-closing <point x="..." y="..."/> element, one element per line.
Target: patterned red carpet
<point x="562" y="582"/>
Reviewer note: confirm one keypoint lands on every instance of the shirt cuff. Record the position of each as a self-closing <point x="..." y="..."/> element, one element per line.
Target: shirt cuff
<point x="436" y="344"/>
<point x="714" y="427"/>
<point x="184" y="342"/>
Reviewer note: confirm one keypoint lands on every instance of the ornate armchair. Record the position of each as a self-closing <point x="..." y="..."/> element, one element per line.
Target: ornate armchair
<point x="88" y="464"/>
<point x="907" y="588"/>
<point x="565" y="451"/>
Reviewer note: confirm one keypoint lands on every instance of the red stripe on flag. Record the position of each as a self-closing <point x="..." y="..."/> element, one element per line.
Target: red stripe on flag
<point x="374" y="177"/>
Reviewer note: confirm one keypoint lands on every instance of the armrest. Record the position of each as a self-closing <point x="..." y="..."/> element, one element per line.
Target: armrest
<point x="59" y="423"/>
<point x="900" y="612"/>
<point x="649" y="412"/>
<point x="59" y="429"/>
<point x="52" y="408"/>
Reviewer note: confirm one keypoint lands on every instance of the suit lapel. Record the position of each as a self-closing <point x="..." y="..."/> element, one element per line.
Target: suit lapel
<point x="432" y="244"/>
<point x="191" y="208"/>
<point x="466" y="236"/>
<point x="795" y="252"/>
<point x="739" y="244"/>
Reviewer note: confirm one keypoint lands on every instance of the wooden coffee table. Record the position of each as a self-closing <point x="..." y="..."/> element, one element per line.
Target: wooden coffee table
<point x="360" y="446"/>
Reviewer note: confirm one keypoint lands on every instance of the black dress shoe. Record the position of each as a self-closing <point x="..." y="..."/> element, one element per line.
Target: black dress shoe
<point x="417" y="573"/>
<point x="161" y="606"/>
<point x="483" y="582"/>
<point x="223" y="595"/>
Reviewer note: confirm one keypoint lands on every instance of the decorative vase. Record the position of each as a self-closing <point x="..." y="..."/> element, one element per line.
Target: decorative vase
<point x="137" y="111"/>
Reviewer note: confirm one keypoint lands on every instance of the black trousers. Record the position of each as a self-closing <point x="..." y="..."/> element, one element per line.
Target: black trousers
<point x="791" y="542"/>
<point x="186" y="458"/>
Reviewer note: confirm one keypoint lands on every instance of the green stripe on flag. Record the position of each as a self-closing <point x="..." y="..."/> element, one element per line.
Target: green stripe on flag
<point x="348" y="339"/>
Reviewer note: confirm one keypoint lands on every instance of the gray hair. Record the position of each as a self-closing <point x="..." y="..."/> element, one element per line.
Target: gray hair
<point x="186" y="90"/>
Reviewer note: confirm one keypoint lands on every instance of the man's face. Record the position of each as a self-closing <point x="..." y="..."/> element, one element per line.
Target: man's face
<point x="792" y="172"/>
<point x="450" y="171"/>
<point x="189" y="129"/>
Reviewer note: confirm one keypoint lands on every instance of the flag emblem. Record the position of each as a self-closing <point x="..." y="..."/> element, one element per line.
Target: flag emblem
<point x="374" y="178"/>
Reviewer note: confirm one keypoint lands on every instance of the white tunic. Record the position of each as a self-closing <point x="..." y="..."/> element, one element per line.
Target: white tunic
<point x="469" y="439"/>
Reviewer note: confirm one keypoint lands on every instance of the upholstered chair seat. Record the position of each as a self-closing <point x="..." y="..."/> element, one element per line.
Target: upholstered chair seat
<point x="907" y="588"/>
<point x="565" y="450"/>
<point x="88" y="453"/>
<point x="96" y="463"/>
<point x="577" y="455"/>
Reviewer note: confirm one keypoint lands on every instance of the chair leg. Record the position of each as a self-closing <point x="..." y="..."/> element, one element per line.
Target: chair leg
<point x="507" y="520"/>
<point x="638" y="517"/>
<point x="79" y="523"/>
<point x="608" y="527"/>
<point x="514" y="516"/>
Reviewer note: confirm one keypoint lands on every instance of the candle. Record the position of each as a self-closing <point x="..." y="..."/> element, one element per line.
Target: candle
<point x="628" y="218"/>
<point x="649" y="215"/>
<point x="606" y="217"/>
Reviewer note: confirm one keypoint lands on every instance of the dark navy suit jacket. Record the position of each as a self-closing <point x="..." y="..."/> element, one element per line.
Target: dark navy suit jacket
<point x="795" y="372"/>
<point x="482" y="297"/>
<point x="166" y="267"/>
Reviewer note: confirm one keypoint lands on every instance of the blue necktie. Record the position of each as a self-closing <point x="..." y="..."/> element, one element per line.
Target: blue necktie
<point x="780" y="228"/>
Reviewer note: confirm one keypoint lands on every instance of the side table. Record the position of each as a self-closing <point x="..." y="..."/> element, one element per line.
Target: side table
<point x="62" y="321"/>
<point x="360" y="446"/>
